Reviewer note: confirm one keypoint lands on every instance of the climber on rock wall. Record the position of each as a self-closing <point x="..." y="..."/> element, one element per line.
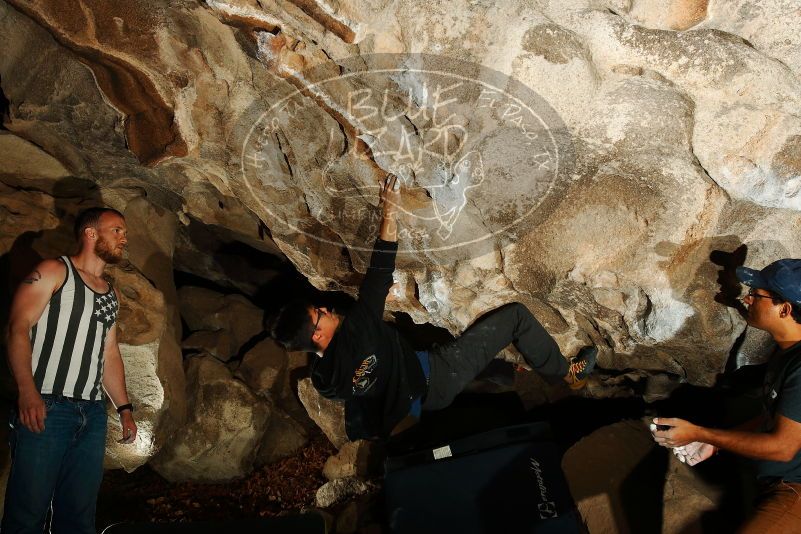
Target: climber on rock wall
<point x="773" y="439"/>
<point x="384" y="382"/>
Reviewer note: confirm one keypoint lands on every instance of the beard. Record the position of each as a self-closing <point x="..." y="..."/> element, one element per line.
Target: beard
<point x="106" y="253"/>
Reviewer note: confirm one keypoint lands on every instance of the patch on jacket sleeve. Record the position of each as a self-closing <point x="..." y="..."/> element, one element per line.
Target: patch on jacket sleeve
<point x="362" y="378"/>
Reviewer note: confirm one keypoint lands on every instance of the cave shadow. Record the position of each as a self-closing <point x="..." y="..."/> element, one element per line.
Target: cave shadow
<point x="241" y="266"/>
<point x="421" y="336"/>
<point x="724" y="254"/>
<point x="641" y="502"/>
<point x="729" y="292"/>
<point x="232" y="252"/>
<point x="5" y="106"/>
<point x="729" y="286"/>
<point x="736" y="479"/>
<point x="289" y="284"/>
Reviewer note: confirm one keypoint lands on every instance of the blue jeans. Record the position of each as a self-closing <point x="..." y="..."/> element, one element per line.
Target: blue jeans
<point x="62" y="465"/>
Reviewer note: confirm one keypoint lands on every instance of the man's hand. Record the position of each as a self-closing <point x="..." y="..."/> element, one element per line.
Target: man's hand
<point x="694" y="453"/>
<point x="114" y="383"/>
<point x="390" y="196"/>
<point x="679" y="434"/>
<point x="390" y="202"/>
<point x="32" y="412"/>
<point x="128" y="427"/>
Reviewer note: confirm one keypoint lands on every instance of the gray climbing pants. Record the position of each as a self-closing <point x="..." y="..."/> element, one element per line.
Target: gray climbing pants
<point x="454" y="365"/>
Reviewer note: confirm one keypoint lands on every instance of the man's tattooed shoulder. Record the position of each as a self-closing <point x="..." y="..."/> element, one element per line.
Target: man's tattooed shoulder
<point x="32" y="278"/>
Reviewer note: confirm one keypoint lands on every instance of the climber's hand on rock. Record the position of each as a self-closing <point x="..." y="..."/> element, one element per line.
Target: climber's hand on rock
<point x="390" y="195"/>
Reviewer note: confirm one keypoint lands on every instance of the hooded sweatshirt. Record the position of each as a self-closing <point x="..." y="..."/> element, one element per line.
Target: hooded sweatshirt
<point x="368" y="364"/>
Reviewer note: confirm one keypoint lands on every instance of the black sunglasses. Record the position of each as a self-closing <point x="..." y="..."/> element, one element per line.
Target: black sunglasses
<point x="319" y="316"/>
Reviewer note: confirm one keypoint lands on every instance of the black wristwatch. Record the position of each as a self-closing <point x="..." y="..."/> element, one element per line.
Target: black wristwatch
<point x="124" y="407"/>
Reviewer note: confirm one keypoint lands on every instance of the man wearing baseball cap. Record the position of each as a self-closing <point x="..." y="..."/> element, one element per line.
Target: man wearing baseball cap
<point x="774" y="438"/>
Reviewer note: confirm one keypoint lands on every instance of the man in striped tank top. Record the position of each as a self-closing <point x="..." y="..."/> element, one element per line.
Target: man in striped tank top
<point x="63" y="353"/>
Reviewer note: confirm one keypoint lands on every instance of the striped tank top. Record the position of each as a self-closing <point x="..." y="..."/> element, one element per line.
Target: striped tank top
<point x="68" y="339"/>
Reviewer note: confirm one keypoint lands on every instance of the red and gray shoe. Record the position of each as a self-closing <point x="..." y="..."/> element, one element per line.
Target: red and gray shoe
<point x="581" y="365"/>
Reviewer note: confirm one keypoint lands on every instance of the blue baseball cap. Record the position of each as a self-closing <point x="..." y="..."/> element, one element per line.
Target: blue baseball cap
<point x="782" y="277"/>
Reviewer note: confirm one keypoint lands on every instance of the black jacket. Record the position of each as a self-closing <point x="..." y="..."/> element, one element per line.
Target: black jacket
<point x="368" y="364"/>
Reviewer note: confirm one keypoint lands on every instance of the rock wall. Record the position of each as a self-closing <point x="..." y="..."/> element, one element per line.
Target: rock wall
<point x="673" y="144"/>
<point x="606" y="162"/>
<point x="228" y="420"/>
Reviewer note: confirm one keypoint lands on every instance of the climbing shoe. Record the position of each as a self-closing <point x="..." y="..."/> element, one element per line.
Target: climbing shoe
<point x="581" y="365"/>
